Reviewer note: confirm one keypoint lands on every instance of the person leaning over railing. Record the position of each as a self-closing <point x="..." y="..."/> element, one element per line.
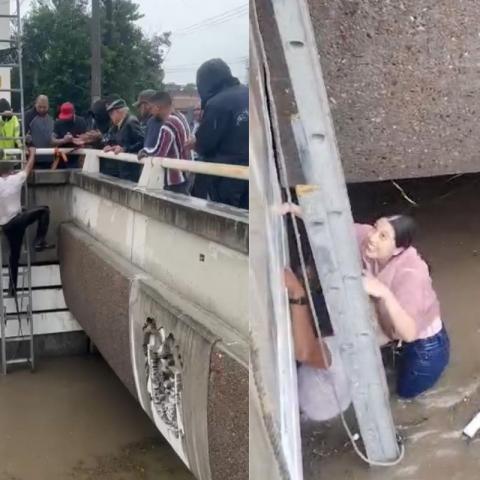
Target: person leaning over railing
<point x="143" y="107"/>
<point x="67" y="128"/>
<point x="98" y="124"/>
<point x="222" y="136"/>
<point x="171" y="142"/>
<point x="125" y="135"/>
<point x="39" y="129"/>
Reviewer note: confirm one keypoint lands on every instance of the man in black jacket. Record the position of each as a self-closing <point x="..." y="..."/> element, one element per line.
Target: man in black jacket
<point x="125" y="135"/>
<point x="222" y="136"/>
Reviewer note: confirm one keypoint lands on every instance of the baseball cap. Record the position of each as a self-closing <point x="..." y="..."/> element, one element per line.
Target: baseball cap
<point x="144" y="96"/>
<point x="116" y="104"/>
<point x="67" y="111"/>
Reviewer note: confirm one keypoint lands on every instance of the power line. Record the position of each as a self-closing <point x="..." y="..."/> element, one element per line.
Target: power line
<point x="219" y="16"/>
<point x="192" y="67"/>
<point x="215" y="20"/>
<point x="212" y="24"/>
<point x="227" y="60"/>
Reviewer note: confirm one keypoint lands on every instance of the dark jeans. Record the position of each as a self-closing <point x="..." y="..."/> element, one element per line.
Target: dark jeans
<point x="15" y="230"/>
<point x="229" y="191"/>
<point x="119" y="169"/>
<point x="180" y="188"/>
<point x="422" y="363"/>
<point x="202" y="186"/>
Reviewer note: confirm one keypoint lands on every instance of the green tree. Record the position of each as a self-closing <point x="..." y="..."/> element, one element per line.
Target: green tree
<point x="189" y="89"/>
<point x="56" y="52"/>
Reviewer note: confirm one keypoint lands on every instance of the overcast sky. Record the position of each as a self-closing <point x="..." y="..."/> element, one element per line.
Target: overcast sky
<point x="202" y="29"/>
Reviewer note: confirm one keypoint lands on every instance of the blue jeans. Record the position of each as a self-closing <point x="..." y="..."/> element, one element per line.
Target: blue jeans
<point x="422" y="363"/>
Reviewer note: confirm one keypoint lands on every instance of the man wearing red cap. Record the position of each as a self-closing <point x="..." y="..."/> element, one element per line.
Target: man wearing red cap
<point x="68" y="126"/>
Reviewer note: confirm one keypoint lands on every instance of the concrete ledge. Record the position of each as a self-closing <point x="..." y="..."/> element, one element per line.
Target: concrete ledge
<point x="50" y="177"/>
<point x="52" y="345"/>
<point x="219" y="223"/>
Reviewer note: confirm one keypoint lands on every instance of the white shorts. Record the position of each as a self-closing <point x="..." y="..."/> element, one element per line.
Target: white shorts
<point x="316" y="392"/>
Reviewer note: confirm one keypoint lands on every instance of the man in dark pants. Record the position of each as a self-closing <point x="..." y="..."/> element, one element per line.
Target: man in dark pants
<point x="222" y="136"/>
<point x="14" y="221"/>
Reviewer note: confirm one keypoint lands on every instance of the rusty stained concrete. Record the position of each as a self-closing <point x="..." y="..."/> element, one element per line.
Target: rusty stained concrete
<point x="228" y="417"/>
<point x="97" y="293"/>
<point x="402" y="79"/>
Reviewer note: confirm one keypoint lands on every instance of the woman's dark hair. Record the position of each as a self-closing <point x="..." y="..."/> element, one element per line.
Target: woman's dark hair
<point x="404" y="228"/>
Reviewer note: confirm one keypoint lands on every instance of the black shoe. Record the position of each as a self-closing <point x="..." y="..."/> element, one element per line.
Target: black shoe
<point x="41" y="246"/>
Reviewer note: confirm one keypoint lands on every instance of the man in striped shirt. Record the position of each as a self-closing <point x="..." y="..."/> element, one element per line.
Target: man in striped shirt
<point x="172" y="139"/>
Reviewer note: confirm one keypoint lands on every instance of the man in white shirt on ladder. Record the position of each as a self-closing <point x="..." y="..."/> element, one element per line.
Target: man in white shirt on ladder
<point x="14" y="220"/>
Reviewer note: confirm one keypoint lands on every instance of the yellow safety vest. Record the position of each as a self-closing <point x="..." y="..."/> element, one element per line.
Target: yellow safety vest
<point x="10" y="128"/>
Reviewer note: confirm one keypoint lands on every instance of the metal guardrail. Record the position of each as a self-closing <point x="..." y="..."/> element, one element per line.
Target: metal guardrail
<point x="153" y="167"/>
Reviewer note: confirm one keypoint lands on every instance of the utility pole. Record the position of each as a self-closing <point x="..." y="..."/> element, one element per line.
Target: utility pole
<point x="96" y="46"/>
<point x="109" y="19"/>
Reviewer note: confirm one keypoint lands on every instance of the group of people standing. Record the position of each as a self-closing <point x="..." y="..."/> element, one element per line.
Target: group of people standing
<point x="220" y="133"/>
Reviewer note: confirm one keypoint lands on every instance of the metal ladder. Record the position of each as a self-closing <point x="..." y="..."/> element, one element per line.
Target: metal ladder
<point x="329" y="225"/>
<point x="21" y="307"/>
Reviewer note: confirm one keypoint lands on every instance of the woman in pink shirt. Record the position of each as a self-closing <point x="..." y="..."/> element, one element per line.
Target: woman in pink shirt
<point x="399" y="282"/>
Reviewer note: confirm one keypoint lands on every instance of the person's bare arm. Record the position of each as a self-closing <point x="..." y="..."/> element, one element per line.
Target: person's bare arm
<point x="30" y="161"/>
<point x="58" y="142"/>
<point x="308" y="348"/>
<point x="402" y="323"/>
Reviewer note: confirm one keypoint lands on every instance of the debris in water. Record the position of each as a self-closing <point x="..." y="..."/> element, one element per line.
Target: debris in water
<point x="472" y="428"/>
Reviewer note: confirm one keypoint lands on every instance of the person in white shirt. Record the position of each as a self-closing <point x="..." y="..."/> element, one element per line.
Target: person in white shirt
<point x="14" y="221"/>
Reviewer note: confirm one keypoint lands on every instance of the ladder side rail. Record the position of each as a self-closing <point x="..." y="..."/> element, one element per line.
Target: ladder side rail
<point x="350" y="312"/>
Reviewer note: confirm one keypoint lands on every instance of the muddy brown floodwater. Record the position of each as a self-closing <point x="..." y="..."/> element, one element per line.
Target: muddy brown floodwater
<point x="74" y="420"/>
<point x="431" y="425"/>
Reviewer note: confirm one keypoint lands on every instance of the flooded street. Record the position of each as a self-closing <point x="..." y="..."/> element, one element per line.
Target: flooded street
<point x="431" y="426"/>
<point x="74" y="420"/>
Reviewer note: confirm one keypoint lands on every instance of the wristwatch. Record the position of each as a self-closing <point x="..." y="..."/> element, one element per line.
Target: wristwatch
<point x="298" y="301"/>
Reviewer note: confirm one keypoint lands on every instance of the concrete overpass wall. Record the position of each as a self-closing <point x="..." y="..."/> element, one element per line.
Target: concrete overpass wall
<point x="159" y="282"/>
<point x="403" y="83"/>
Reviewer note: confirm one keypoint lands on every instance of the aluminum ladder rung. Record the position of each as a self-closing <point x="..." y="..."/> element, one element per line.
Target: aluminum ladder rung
<point x="14" y="316"/>
<point x="9" y="65"/>
<point x="13" y="17"/>
<point x="18" y="338"/>
<point x="20" y="293"/>
<point x="18" y="360"/>
<point x="11" y="90"/>
<point x="20" y="274"/>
